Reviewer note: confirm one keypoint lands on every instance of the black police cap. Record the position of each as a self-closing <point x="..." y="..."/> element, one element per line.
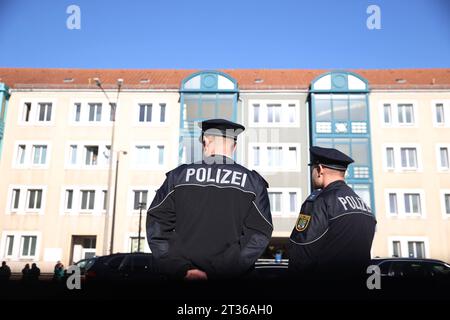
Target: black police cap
<point x="330" y="158"/>
<point x="221" y="127"/>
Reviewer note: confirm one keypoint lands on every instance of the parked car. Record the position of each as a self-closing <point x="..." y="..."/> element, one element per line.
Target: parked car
<point x="412" y="268"/>
<point x="122" y="267"/>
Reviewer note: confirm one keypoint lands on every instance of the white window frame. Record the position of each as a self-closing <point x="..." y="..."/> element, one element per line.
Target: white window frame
<point x="446" y="105"/>
<point x="397" y="158"/>
<point x="102" y="161"/>
<point x="17" y="247"/>
<point x="34" y="112"/>
<point x="153" y="165"/>
<point x="76" y="200"/>
<point x="23" y="200"/>
<point x="263" y="157"/>
<point x="401" y="214"/>
<point x="442" y="194"/>
<point x="84" y="114"/>
<point x="156" y="113"/>
<point x="404" y="244"/>
<point x="438" y="157"/>
<point x="29" y="154"/>
<point x="263" y="113"/>
<point x="394" y="113"/>
<point x="285" y="202"/>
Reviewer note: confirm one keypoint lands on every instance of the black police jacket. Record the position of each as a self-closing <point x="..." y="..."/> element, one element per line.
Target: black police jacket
<point x="333" y="234"/>
<point x="213" y="215"/>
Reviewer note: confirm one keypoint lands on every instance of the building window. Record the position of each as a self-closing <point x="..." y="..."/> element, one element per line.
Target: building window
<point x="73" y="154"/>
<point x="162" y="113"/>
<point x="390" y="160"/>
<point x="396" y="249"/>
<point x="21" y="154"/>
<point x="447" y="203"/>
<point x="145" y="112"/>
<point x="39" y="154"/>
<point x="9" y="246"/>
<point x="412" y="203"/>
<point x="416" y="249"/>
<point x="405" y="114"/>
<point x="408" y="158"/>
<point x="160" y="155"/>
<point x="95" y="112"/>
<point x="28" y="246"/>
<point x="15" y="199"/>
<point x="387" y="113"/>
<point x="393" y="203"/>
<point x="273" y="113"/>
<point x="440" y="116"/>
<point x="45" y="112"/>
<point x="270" y="157"/>
<point x="256" y="110"/>
<point x="292" y="157"/>
<point x="256" y="155"/>
<point x="34" y="199"/>
<point x="91" y="155"/>
<point x="140" y="196"/>
<point x="291" y="113"/>
<point x="274" y="156"/>
<point x="69" y="200"/>
<point x="293" y="202"/>
<point x="87" y="199"/>
<point x="105" y="199"/>
<point x="134" y="241"/>
<point x="26" y="116"/>
<point x="275" y="201"/>
<point x="443" y="155"/>
<point x="77" y="112"/>
<point x="142" y="155"/>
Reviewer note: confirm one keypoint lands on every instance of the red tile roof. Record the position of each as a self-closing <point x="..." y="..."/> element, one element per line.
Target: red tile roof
<point x="170" y="79"/>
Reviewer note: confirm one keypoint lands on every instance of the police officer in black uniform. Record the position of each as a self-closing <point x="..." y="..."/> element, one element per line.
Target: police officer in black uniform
<point x="333" y="234"/>
<point x="210" y="219"/>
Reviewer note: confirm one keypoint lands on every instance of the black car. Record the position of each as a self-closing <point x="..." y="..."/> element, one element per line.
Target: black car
<point x="412" y="268"/>
<point x="122" y="267"/>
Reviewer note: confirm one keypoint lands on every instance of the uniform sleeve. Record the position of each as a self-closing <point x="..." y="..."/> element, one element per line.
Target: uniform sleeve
<point x="161" y="218"/>
<point x="307" y="238"/>
<point x="256" y="232"/>
<point x="257" y="229"/>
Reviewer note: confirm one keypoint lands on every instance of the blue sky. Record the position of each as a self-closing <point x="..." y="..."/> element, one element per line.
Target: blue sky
<point x="209" y="34"/>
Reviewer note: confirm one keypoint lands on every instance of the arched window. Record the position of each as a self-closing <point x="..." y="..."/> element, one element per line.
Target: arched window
<point x="204" y="95"/>
<point x="339" y="110"/>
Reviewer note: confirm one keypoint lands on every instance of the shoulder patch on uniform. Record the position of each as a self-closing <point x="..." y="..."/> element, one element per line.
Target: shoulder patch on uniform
<point x="313" y="195"/>
<point x="302" y="222"/>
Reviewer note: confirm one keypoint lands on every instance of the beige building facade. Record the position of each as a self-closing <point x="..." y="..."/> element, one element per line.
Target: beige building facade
<point x="61" y="149"/>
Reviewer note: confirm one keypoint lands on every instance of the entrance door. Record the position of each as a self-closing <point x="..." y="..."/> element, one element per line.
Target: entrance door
<point x="83" y="247"/>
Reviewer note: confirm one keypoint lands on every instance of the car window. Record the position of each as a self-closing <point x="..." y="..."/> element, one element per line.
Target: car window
<point x="409" y="269"/>
<point x="384" y="267"/>
<point x="89" y="263"/>
<point x="115" y="262"/>
<point x="438" y="269"/>
<point x="81" y="264"/>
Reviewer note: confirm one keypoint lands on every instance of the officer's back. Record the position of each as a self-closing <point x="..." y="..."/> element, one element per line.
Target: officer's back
<point x="212" y="216"/>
